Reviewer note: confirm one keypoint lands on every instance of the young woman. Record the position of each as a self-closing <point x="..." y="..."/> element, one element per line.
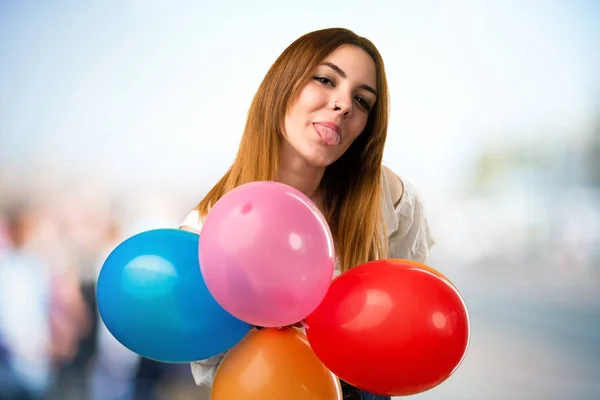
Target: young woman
<point x="319" y="123"/>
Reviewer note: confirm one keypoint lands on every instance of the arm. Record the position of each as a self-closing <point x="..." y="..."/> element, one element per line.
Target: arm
<point x="187" y="228"/>
<point x="411" y="240"/>
<point x="203" y="371"/>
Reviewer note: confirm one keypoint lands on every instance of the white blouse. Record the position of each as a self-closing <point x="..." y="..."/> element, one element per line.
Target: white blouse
<point x="408" y="234"/>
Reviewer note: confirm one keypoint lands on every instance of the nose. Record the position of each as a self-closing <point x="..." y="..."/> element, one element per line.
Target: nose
<point x="342" y="104"/>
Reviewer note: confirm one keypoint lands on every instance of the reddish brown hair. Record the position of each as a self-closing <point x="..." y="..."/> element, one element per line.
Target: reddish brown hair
<point x="352" y="184"/>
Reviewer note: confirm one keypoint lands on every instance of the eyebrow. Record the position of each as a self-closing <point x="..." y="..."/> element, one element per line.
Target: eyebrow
<point x="343" y="75"/>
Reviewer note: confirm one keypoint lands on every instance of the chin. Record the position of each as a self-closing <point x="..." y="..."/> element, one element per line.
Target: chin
<point x="320" y="160"/>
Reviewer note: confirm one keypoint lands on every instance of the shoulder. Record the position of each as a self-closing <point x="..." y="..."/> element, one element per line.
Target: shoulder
<point x="395" y="185"/>
<point x="192" y="222"/>
<point x="402" y="199"/>
<point x="406" y="218"/>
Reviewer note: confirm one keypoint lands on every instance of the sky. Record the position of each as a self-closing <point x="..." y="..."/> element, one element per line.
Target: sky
<point x="157" y="91"/>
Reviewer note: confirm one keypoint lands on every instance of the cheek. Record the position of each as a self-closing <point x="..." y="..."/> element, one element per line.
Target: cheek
<point x="308" y="101"/>
<point x="311" y="98"/>
<point x="358" y="124"/>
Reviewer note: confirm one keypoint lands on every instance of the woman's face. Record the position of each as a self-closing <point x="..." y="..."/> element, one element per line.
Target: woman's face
<point x="332" y="110"/>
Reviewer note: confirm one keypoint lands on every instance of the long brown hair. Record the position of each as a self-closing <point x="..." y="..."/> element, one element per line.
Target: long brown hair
<point x="352" y="184"/>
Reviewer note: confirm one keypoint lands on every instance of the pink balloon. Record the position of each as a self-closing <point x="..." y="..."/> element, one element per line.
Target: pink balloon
<point x="266" y="254"/>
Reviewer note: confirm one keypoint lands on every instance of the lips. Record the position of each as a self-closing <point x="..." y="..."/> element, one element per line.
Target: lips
<point x="329" y="133"/>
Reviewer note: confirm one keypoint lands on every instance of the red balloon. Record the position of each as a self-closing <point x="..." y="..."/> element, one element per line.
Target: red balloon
<point x="391" y="327"/>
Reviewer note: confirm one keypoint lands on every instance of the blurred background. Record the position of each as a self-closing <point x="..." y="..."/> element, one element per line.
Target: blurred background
<point x="118" y="116"/>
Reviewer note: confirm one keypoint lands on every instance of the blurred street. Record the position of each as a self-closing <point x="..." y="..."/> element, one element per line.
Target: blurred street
<point x="118" y="117"/>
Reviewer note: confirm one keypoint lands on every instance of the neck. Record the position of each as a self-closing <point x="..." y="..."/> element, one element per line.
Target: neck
<point x="296" y="172"/>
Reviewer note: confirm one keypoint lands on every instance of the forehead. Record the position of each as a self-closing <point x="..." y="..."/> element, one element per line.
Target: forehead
<point x="356" y="63"/>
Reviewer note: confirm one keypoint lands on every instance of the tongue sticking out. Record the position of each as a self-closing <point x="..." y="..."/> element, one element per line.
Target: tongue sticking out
<point x="329" y="136"/>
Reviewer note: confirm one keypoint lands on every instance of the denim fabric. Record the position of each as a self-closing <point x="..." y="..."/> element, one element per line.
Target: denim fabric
<point x="349" y="392"/>
<point x="370" y="396"/>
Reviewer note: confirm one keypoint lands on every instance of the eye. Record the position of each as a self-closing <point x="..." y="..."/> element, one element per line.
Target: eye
<point x="323" y="80"/>
<point x="363" y="103"/>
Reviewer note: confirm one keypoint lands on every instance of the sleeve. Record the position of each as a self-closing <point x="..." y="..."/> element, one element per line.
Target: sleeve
<point x="412" y="239"/>
<point x="203" y="371"/>
<point x="192" y="220"/>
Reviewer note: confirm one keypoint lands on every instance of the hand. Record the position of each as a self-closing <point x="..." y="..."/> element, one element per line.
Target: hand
<point x="299" y="324"/>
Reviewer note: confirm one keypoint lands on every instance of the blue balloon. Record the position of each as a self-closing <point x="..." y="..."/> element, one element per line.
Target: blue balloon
<point x="153" y="299"/>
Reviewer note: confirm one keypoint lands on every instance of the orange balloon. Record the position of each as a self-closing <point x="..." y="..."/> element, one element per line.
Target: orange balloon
<point x="274" y="364"/>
